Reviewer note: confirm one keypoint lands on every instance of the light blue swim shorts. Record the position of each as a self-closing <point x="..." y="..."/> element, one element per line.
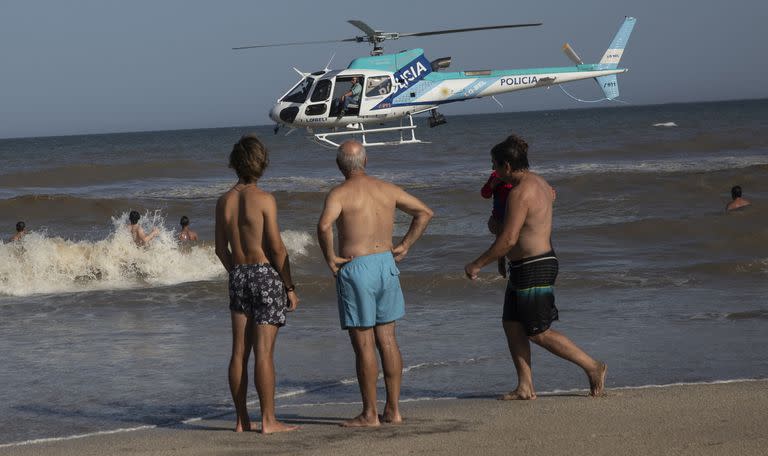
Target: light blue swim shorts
<point x="368" y="291"/>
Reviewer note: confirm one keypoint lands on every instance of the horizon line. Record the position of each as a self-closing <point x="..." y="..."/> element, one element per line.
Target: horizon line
<point x="67" y="135"/>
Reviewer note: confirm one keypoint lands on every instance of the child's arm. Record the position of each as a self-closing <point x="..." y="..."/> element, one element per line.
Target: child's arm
<point x="487" y="190"/>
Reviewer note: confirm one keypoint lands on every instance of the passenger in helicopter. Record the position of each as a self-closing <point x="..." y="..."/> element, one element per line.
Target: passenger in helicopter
<point x="352" y="97"/>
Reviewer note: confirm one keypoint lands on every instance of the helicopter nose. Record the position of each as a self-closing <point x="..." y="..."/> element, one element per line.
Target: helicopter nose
<point x="274" y="113"/>
<point x="284" y="113"/>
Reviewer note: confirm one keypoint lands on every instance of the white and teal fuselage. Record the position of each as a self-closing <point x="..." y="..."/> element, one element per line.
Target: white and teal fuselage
<point x="428" y="89"/>
<point x="415" y="87"/>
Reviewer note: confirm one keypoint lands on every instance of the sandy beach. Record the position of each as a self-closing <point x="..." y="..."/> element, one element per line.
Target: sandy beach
<point x="704" y="419"/>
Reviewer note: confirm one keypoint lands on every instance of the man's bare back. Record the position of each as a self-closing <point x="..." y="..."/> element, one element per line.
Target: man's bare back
<point x="738" y="200"/>
<point x="140" y="238"/>
<point x="363" y="209"/>
<point x="186" y="233"/>
<point x="367" y="215"/>
<point x="737" y="203"/>
<point x="243" y="210"/>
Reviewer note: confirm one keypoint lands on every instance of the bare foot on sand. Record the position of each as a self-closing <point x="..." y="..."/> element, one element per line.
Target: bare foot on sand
<point x="362" y="421"/>
<point x="247" y="427"/>
<point x="277" y="426"/>
<point x="518" y="395"/>
<point x="597" y="380"/>
<point x="391" y="418"/>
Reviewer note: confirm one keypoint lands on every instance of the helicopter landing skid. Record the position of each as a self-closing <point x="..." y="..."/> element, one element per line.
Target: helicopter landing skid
<point x="324" y="139"/>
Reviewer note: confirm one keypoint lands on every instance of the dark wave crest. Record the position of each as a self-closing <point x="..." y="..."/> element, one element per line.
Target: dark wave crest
<point x="103" y="173"/>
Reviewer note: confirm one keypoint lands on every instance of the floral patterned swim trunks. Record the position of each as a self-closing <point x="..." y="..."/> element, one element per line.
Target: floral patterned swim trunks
<point x="257" y="291"/>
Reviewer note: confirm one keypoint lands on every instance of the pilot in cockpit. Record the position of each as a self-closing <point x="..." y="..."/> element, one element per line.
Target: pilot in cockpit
<point x="352" y="97"/>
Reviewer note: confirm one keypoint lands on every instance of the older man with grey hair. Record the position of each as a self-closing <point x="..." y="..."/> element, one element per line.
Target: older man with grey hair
<point x="367" y="279"/>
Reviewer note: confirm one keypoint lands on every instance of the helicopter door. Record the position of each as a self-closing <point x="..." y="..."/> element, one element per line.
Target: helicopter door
<point x="319" y="98"/>
<point x="350" y="105"/>
<point x="376" y="89"/>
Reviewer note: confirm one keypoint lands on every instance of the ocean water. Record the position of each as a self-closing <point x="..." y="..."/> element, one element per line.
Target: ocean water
<point x="655" y="279"/>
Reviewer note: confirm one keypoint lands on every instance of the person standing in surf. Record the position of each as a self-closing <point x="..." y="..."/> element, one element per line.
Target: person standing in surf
<point x="186" y="233"/>
<point x="261" y="289"/>
<point x="368" y="291"/>
<point x="529" y="301"/>
<point x="737" y="201"/>
<point x="140" y="238"/>
<point x="21" y="231"/>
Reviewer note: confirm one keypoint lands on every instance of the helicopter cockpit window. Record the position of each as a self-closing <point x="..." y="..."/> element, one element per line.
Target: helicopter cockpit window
<point x="299" y="93"/>
<point x="378" y="86"/>
<point x="322" y="90"/>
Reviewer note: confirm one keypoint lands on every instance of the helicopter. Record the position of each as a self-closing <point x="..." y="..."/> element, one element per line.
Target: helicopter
<point x="382" y="88"/>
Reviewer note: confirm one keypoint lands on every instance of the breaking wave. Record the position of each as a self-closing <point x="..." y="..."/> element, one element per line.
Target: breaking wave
<point x="41" y="264"/>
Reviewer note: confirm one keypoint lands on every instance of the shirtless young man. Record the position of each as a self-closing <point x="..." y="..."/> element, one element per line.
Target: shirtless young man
<point x="367" y="284"/>
<point x="21" y="231"/>
<point x="186" y="233"/>
<point x="137" y="232"/>
<point x="261" y="290"/>
<point x="529" y="301"/>
<point x="737" y="201"/>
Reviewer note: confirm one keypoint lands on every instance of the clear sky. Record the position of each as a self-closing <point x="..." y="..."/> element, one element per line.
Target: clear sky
<point x="96" y="66"/>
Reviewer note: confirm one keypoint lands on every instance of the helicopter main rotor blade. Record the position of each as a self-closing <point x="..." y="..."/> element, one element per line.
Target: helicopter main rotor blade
<point x="372" y="36"/>
<point x="472" y="29"/>
<point x="298" y="43"/>
<point x="364" y="27"/>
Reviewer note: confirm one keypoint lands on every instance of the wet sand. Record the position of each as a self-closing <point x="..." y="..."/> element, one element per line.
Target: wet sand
<point x="712" y="419"/>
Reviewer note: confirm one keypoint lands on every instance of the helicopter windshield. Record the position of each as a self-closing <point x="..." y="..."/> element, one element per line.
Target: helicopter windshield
<point x="299" y="93"/>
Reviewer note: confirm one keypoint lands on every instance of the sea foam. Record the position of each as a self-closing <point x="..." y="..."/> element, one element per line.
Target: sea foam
<point x="42" y="264"/>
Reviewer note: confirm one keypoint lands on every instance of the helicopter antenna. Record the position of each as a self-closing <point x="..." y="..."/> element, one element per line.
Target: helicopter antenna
<point x="328" y="65"/>
<point x="377" y="37"/>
